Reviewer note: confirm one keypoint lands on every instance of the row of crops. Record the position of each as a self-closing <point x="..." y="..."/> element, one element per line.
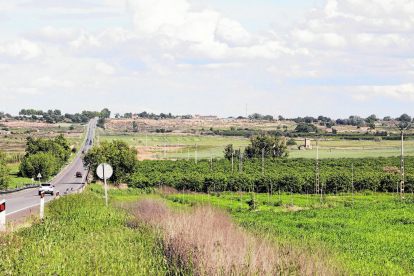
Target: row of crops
<point x="289" y="175"/>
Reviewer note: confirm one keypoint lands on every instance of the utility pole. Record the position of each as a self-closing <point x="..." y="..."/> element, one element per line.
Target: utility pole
<point x="262" y="161"/>
<point x="211" y="161"/>
<point x="196" y="153"/>
<point x="317" y="168"/>
<point x="352" y="181"/>
<point x="240" y="162"/>
<point x="232" y="161"/>
<point x="402" y="165"/>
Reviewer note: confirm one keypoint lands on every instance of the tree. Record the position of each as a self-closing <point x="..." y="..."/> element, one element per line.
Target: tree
<point x="57" y="112"/>
<point x="4" y="172"/>
<point x="44" y="163"/>
<point x="45" y="156"/>
<point x="118" y="154"/>
<point x="291" y="142"/>
<point x="387" y="118"/>
<point x="371" y="125"/>
<point x="303" y="127"/>
<point x="101" y="123"/>
<point x="105" y="113"/>
<point x="281" y="118"/>
<point x="274" y="147"/>
<point x="404" y="118"/>
<point x="134" y="126"/>
<point x="334" y="131"/>
<point x="256" y="116"/>
<point x="229" y="152"/>
<point x="371" y="118"/>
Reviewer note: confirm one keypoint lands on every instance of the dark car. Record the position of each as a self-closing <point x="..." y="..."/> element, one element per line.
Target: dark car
<point x="78" y="174"/>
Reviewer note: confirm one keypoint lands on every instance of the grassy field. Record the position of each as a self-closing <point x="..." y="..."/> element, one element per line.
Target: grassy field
<point x="374" y="236"/>
<point x="186" y="144"/>
<point x="80" y="236"/>
<point x="17" y="180"/>
<point x="328" y="149"/>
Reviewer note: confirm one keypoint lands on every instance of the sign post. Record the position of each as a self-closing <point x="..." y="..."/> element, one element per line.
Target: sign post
<point x="42" y="205"/>
<point x="39" y="176"/>
<point x="104" y="171"/>
<point x="3" y="215"/>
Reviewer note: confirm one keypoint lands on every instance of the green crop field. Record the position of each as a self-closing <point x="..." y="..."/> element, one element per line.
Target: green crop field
<point x="374" y="236"/>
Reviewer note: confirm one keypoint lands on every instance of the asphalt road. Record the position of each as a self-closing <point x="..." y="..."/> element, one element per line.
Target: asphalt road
<point x="18" y="204"/>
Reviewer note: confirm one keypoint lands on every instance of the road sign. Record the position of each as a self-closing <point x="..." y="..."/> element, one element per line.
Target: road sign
<point x="104" y="169"/>
<point x="39" y="176"/>
<point x="90" y="176"/>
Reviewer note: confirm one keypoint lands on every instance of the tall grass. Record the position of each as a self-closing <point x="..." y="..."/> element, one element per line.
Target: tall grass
<point x="80" y="236"/>
<point x="204" y="241"/>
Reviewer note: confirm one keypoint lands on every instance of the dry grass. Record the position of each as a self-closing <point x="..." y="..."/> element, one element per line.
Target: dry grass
<point x="204" y="241"/>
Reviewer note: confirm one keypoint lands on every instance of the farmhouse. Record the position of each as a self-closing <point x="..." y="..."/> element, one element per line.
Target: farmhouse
<point x="210" y="117"/>
<point x="4" y="132"/>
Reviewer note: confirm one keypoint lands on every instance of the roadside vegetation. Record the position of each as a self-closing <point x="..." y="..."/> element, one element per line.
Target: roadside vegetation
<point x="80" y="236"/>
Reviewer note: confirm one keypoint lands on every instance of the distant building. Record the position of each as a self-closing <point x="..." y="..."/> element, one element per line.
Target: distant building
<point x="4" y="132"/>
<point x="308" y="144"/>
<point x="134" y="116"/>
<point x="210" y="117"/>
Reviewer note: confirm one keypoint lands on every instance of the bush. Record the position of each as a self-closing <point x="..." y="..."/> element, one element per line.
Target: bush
<point x="291" y="142"/>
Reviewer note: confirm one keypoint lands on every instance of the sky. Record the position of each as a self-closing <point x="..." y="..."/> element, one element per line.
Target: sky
<point x="293" y="58"/>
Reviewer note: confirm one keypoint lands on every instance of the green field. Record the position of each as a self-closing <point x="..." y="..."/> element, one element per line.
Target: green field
<point x="328" y="149"/>
<point x="186" y="144"/>
<point x="374" y="236"/>
<point x="80" y="236"/>
<point x="17" y="180"/>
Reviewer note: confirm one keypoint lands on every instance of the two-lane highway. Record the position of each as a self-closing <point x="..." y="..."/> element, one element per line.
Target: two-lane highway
<point x="21" y="203"/>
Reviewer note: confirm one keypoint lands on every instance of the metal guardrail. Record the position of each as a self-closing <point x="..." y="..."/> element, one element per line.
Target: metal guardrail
<point x="15" y="190"/>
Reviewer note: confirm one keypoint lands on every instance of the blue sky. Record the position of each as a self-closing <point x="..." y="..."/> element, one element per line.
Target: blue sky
<point x="293" y="58"/>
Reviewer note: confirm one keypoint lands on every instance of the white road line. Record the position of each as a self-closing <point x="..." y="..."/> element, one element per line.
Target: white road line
<point x="22" y="209"/>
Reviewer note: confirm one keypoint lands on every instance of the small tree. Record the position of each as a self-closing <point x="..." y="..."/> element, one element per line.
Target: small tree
<point x="291" y="142"/>
<point x="273" y="146"/>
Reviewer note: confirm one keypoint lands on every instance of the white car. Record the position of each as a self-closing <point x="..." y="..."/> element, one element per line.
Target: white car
<point x="46" y="188"/>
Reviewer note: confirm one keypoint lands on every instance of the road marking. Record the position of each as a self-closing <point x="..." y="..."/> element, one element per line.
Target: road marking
<point x="22" y="209"/>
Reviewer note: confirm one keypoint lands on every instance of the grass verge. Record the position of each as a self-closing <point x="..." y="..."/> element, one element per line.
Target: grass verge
<point x="80" y="236"/>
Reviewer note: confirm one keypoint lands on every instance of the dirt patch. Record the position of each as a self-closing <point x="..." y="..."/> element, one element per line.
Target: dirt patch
<point x="148" y="153"/>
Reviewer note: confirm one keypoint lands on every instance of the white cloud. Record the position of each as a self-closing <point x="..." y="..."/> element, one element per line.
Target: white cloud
<point x="28" y="91"/>
<point x="104" y="68"/>
<point x="55" y="34"/>
<point x="24" y="50"/>
<point x="47" y="81"/>
<point x="223" y="65"/>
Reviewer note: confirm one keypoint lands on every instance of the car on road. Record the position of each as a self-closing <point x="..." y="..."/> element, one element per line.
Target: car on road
<point x="78" y="174"/>
<point x="46" y="188"/>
